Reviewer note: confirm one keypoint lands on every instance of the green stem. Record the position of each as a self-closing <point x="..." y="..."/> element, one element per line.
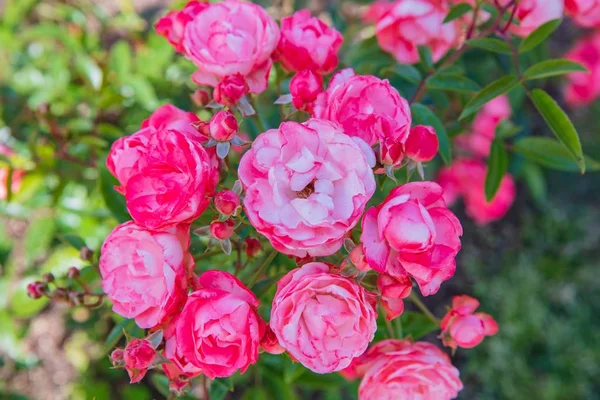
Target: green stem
<point x="421" y="306"/>
<point x="398" y="327"/>
<point x="207" y="254"/>
<point x="390" y="329"/>
<point x="262" y="268"/>
<point x="255" y="116"/>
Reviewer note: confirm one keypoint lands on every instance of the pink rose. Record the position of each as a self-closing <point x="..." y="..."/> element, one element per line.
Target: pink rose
<point x="231" y="37"/>
<point x="584" y="87"/>
<point x="584" y="12"/>
<point x="461" y="327"/>
<point x="365" y="106"/>
<point x="305" y="86"/>
<point x="138" y="357"/>
<point x="144" y="273"/>
<point x="534" y="13"/>
<point x="179" y="369"/>
<point x="17" y="175"/>
<point x="422" y="144"/>
<point x="307" y="43"/>
<point x="376" y="10"/>
<point x="219" y="329"/>
<point x="172" y="26"/>
<point x="376" y="351"/>
<point x="413" y="23"/>
<point x="466" y="177"/>
<point x="230" y="90"/>
<point x="323" y="320"/>
<point x="165" y="173"/>
<point x="306" y="186"/>
<point x="413" y="371"/>
<point x="413" y="233"/>
<point x="392" y="291"/>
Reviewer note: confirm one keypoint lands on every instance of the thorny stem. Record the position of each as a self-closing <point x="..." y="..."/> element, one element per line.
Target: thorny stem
<point x="421" y="306"/>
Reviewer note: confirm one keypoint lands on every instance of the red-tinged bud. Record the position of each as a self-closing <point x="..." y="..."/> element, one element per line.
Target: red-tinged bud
<point x="227" y="202"/>
<point x="252" y="246"/>
<point x="230" y="90"/>
<point x="222" y="229"/>
<point x="223" y="126"/>
<point x="269" y="342"/>
<point x="116" y="358"/>
<point x="138" y="358"/>
<point x="200" y="97"/>
<point x="422" y="144"/>
<point x="73" y="273"/>
<point x="86" y="253"/>
<point x="47" y="278"/>
<point x="357" y="256"/>
<point x="35" y="290"/>
<point x="304" y="88"/>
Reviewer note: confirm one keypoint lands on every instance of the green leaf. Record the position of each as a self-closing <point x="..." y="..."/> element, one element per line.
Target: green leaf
<point x="457" y="11"/>
<point x="539" y="35"/>
<point x="422" y="115"/>
<point x="425" y="56"/>
<point x="416" y="325"/>
<point x="551" y="153"/>
<point x="143" y="92"/>
<point x="88" y="68"/>
<point x="292" y="371"/>
<point x="497" y="167"/>
<point x="219" y="388"/>
<point x="549" y="68"/>
<point x="490" y="44"/>
<point x="488" y="93"/>
<point x="405" y="71"/>
<point x="116" y="334"/>
<point x="115" y="202"/>
<point x="506" y="129"/>
<point x="559" y="123"/>
<point x="120" y="59"/>
<point x="74" y="240"/>
<point x="453" y="82"/>
<point x="255" y="393"/>
<point x="161" y="383"/>
<point x="536" y="182"/>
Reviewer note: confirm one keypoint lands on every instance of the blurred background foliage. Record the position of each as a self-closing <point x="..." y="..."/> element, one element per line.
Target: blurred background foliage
<point x="75" y="75"/>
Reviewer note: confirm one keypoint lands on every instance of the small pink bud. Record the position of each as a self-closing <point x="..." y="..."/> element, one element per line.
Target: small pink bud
<point x="223" y="126"/>
<point x="48" y="278"/>
<point x="86" y="253"/>
<point x="422" y="144"/>
<point x="391" y="153"/>
<point x="35" y="290"/>
<point x="252" y="246"/>
<point x="138" y="357"/>
<point x="227" y="202"/>
<point x="304" y="88"/>
<point x="357" y="256"/>
<point x="230" y="90"/>
<point x="72" y="273"/>
<point x="203" y="127"/>
<point x="116" y="357"/>
<point x="200" y="97"/>
<point x="222" y="229"/>
<point x="269" y="342"/>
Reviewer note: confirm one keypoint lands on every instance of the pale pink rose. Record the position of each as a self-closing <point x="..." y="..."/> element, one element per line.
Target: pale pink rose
<point x="462" y="327"/>
<point x="584" y="12"/>
<point x="17" y="175"/>
<point x="144" y="273"/>
<point x="376" y="10"/>
<point x="219" y="329"/>
<point x="165" y="173"/>
<point x="306" y="186"/>
<point x="413" y="23"/>
<point x="323" y="320"/>
<point x="138" y="357"/>
<point x="308" y="43"/>
<point x="360" y="365"/>
<point x="584" y="87"/>
<point x="172" y="26"/>
<point x="413" y="233"/>
<point x="231" y="37"/>
<point x="414" y="371"/>
<point x="392" y="290"/>
<point x="422" y="144"/>
<point x="366" y="106"/>
<point x="466" y="177"/>
<point x="534" y="13"/>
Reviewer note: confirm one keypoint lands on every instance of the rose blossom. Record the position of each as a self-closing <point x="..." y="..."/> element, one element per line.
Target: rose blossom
<point x="305" y="86"/>
<point x="413" y="233"/>
<point x="322" y="319"/>
<point x="219" y="329"/>
<point x="534" y="13"/>
<point x="365" y="106"/>
<point x="360" y="365"/>
<point x="138" y="356"/>
<point x="462" y="327"/>
<point x="584" y="87"/>
<point x="308" y="43"/>
<point x="466" y="177"/>
<point x="172" y="26"/>
<point x="179" y="369"/>
<point x="306" y="186"/>
<point x="231" y="37"/>
<point x="584" y="12"/>
<point x="376" y="10"/>
<point x="409" y="24"/>
<point x="413" y="371"/>
<point x="165" y="173"/>
<point x="144" y="273"/>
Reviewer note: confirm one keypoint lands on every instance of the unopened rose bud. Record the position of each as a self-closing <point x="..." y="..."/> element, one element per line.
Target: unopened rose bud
<point x="138" y="357"/>
<point x="48" y="278"/>
<point x="252" y="246"/>
<point x="200" y="97"/>
<point x="422" y="144"/>
<point x="75" y="298"/>
<point x="227" y="202"/>
<point x="223" y="126"/>
<point x="72" y="273"/>
<point x="116" y="358"/>
<point x="60" y="294"/>
<point x="230" y="90"/>
<point x="35" y="290"/>
<point x="357" y="256"/>
<point x="269" y="342"/>
<point x="222" y="229"/>
<point x="202" y="127"/>
<point x="391" y="152"/>
<point x="86" y="253"/>
<point x="304" y="88"/>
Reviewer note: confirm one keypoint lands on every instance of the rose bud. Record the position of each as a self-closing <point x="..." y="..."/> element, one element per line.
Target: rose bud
<point x="304" y="88"/>
<point x="35" y="290"/>
<point x="116" y="357"/>
<point x="357" y="256"/>
<point x="200" y="97"/>
<point x="138" y="357"/>
<point x="72" y="273"/>
<point x="463" y="327"/>
<point x="48" y="278"/>
<point x="223" y="126"/>
<point x="86" y="253"/>
<point x="227" y="202"/>
<point x="222" y="229"/>
<point x="269" y="342"/>
<point x="422" y="144"/>
<point x="252" y="246"/>
<point x="230" y="90"/>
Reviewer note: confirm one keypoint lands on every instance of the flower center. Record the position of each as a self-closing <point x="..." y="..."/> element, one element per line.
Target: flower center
<point x="307" y="191"/>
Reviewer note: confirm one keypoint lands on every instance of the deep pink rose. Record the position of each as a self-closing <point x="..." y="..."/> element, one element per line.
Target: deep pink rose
<point x="306" y="186"/>
<point x="308" y="43"/>
<point x="219" y="329"/>
<point x="534" y="13"/>
<point x="144" y="273"/>
<point x="584" y="12"/>
<point x="584" y="87"/>
<point x="392" y="290"/>
<point x="232" y="37"/>
<point x="305" y="86"/>
<point x="230" y="90"/>
<point x="413" y="371"/>
<point x="422" y="144"/>
<point x="466" y="177"/>
<point x="17" y="174"/>
<point x="462" y="327"/>
<point x="172" y="26"/>
<point x="322" y="319"/>
<point x="138" y="357"/>
<point x="409" y="24"/>
<point x="165" y="173"/>
<point x="365" y="106"/>
<point x="413" y="233"/>
<point x="179" y="369"/>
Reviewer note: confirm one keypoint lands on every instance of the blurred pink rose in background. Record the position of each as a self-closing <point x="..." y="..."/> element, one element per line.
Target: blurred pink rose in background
<point x="534" y="13"/>
<point x="172" y="26"/>
<point x="584" y="87"/>
<point x="584" y="12"/>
